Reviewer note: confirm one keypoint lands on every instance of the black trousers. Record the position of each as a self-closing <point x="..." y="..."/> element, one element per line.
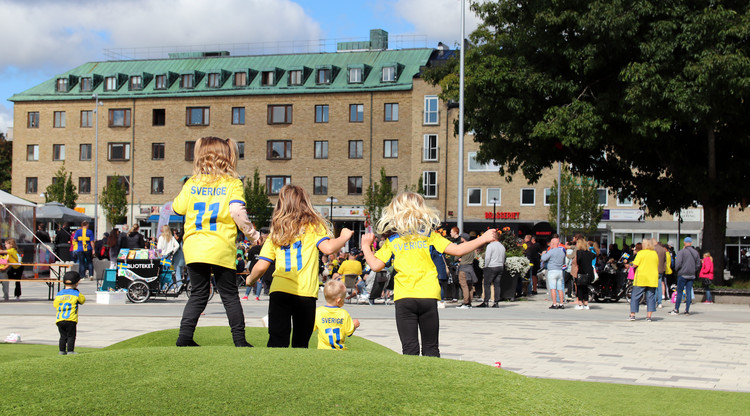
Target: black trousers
<point x="16" y="274"/>
<point x="67" y="331"/>
<point x="416" y="317"/>
<point x="226" y="283"/>
<point x="285" y="310"/>
<point x="492" y="278"/>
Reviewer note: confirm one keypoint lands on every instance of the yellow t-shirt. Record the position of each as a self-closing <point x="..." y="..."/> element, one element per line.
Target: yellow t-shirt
<point x="210" y="230"/>
<point x="647" y="273"/>
<point x="13" y="257"/>
<point x="296" y="269"/>
<point x="416" y="275"/>
<point x="350" y="267"/>
<point x="66" y="304"/>
<point x="334" y="325"/>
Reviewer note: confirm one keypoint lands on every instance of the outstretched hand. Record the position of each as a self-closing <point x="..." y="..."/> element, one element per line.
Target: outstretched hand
<point x="367" y="240"/>
<point x="346" y="233"/>
<point x="489" y="235"/>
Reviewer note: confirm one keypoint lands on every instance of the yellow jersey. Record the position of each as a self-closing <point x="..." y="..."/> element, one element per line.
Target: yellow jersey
<point x="210" y="230"/>
<point x="296" y="270"/>
<point x="350" y="267"/>
<point x="334" y="325"/>
<point x="647" y="273"/>
<point x="12" y="257"/>
<point x="66" y="304"/>
<point x="416" y="275"/>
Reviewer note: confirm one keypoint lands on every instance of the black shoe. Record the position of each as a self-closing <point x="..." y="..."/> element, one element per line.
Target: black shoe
<point x="533" y="292"/>
<point x="186" y="343"/>
<point x="496" y="305"/>
<point x="553" y="307"/>
<point x="483" y="305"/>
<point x="243" y="343"/>
<point x="560" y="306"/>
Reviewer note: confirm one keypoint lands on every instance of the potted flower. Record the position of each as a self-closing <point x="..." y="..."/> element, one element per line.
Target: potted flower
<point x="516" y="264"/>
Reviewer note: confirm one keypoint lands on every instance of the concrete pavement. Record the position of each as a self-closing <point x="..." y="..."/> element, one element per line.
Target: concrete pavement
<point x="708" y="350"/>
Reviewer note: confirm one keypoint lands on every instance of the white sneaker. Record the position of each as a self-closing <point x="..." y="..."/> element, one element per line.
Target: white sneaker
<point x="464" y="306"/>
<point x="579" y="306"/>
<point x="585" y="306"/>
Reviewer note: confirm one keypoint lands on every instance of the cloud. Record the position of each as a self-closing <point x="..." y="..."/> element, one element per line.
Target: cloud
<point x="440" y="20"/>
<point x="6" y="118"/>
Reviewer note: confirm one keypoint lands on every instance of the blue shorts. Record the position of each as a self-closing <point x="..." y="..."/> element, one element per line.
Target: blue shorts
<point x="555" y="280"/>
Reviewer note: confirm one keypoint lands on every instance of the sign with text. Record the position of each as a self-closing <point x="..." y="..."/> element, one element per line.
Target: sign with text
<point x="503" y="215"/>
<point x="622" y="215"/>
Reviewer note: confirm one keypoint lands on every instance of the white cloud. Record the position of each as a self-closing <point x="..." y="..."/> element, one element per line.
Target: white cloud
<point x="6" y="118"/>
<point x="440" y="20"/>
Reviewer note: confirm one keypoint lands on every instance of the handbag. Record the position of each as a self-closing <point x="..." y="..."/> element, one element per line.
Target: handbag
<point x="584" y="279"/>
<point x="631" y="273"/>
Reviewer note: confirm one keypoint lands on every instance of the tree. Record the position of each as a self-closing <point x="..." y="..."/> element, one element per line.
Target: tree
<point x="62" y="189"/>
<point x="6" y="163"/>
<point x="648" y="98"/>
<point x="579" y="205"/>
<point x="377" y="197"/>
<point x="114" y="202"/>
<point x="258" y="205"/>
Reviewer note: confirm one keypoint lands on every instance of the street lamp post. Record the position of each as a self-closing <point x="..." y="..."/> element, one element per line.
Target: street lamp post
<point x="331" y="200"/>
<point x="96" y="163"/>
<point x="494" y="214"/>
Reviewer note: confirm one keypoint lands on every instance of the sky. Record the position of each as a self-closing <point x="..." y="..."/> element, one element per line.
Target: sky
<point x="44" y="38"/>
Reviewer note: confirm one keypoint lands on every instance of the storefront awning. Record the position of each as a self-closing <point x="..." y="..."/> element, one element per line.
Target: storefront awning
<point x="172" y="218"/>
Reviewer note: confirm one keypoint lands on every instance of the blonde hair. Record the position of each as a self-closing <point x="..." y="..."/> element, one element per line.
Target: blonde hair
<point x="167" y="234"/>
<point x="581" y="244"/>
<point x="293" y="214"/>
<point x="135" y="228"/>
<point x="647" y="244"/>
<point x="407" y="215"/>
<point x="334" y="289"/>
<point x="11" y="242"/>
<point x="707" y="254"/>
<point x="214" y="158"/>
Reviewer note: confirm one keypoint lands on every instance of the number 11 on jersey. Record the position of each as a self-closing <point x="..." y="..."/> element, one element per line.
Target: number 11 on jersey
<point x="288" y="256"/>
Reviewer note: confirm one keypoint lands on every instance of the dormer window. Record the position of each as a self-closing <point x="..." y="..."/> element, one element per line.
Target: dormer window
<point x="62" y="85"/>
<point x="136" y="82"/>
<point x="267" y="78"/>
<point x="355" y="75"/>
<point x="160" y="82"/>
<point x="240" y="79"/>
<point x="295" y="77"/>
<point x="87" y="84"/>
<point x="323" y="76"/>
<point x="110" y="83"/>
<point x="214" y="80"/>
<point x="389" y="74"/>
<point x="186" y="81"/>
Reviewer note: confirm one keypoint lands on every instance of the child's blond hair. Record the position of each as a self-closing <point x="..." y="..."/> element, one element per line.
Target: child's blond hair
<point x="333" y="290"/>
<point x="12" y="243"/>
<point x="293" y="214"/>
<point x="213" y="158"/>
<point x="408" y="215"/>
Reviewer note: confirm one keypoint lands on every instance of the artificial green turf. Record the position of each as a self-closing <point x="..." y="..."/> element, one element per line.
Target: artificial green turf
<point x="146" y="375"/>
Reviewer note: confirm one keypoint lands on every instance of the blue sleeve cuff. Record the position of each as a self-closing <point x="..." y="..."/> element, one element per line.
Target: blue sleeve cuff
<point x="237" y="201"/>
<point x="321" y="240"/>
<point x="265" y="258"/>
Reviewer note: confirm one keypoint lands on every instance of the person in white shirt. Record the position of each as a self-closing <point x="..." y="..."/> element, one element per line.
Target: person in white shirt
<point x="494" y="263"/>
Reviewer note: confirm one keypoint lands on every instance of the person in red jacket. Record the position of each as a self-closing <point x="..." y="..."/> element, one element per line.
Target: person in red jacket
<point x="707" y="275"/>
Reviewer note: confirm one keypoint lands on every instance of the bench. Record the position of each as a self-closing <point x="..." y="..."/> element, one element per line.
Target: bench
<point x="50" y="283"/>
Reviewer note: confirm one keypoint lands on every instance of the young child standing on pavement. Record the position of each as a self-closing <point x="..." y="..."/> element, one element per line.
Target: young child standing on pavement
<point x="334" y="323"/>
<point x="14" y="272"/>
<point x="298" y="234"/>
<point x="212" y="201"/>
<point x="66" y="304"/>
<point x="410" y="225"/>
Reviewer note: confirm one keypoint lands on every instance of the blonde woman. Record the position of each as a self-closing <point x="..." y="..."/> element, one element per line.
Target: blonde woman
<point x="409" y="225"/>
<point x="585" y="265"/>
<point x="646" y="280"/>
<point x="167" y="244"/>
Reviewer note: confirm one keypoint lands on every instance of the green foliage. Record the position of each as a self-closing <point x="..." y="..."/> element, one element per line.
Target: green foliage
<point x="114" y="201"/>
<point x="62" y="189"/>
<point x="579" y="205"/>
<point x="258" y="206"/>
<point x="6" y="163"/>
<point x="511" y="242"/>
<point x="377" y="197"/>
<point x="418" y="188"/>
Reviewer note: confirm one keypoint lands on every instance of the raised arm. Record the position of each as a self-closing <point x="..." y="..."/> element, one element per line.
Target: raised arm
<point x="239" y="215"/>
<point x="333" y="246"/>
<point x="260" y="267"/>
<point x="375" y="264"/>
<point x="454" y="249"/>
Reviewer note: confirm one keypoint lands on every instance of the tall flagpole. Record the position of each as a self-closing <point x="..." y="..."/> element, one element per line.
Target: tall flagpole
<point x="460" y="222"/>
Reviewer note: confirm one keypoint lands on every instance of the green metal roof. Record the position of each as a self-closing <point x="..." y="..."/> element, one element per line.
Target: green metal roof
<point x="409" y="63"/>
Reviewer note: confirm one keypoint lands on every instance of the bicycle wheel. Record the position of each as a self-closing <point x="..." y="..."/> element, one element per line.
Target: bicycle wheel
<point x="189" y="290"/>
<point x="138" y="292"/>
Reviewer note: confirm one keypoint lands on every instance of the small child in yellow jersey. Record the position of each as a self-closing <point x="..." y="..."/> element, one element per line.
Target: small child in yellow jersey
<point x="333" y="323"/>
<point x="66" y="304"/>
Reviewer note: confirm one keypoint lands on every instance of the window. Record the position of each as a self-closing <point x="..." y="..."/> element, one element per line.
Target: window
<point x="118" y="151"/>
<point x="32" y="152"/>
<point x="33" y="122"/>
<point x="110" y="83"/>
<point x="87" y="84"/>
<point x="321" y="113"/>
<point x="31" y="185"/>
<point x="241" y="150"/>
<point x="58" y="152"/>
<point x="429" y="183"/>
<point x="355" y="149"/>
<point x="160" y="82"/>
<point x="275" y="183"/>
<point x="624" y="201"/>
<point x="197" y="116"/>
<point x="279" y="150"/>
<point x="355" y="75"/>
<point x="391" y="112"/>
<point x="280" y="114"/>
<point x="295" y="77"/>
<point x="186" y="81"/>
<point x="238" y="115"/>
<point x="601" y="196"/>
<point x="475" y="166"/>
<point x="84" y="185"/>
<point x="119" y="118"/>
<point x="136" y="82"/>
<point x="159" y="117"/>
<point x="547" y="195"/>
<point x="528" y="197"/>
<point x="267" y="78"/>
<point x="62" y="85"/>
<point x="87" y="118"/>
<point x="157" y="151"/>
<point x="356" y="113"/>
<point x="214" y="80"/>
<point x="390" y="149"/>
<point x="84" y="151"/>
<point x="430" y="153"/>
<point x="157" y="185"/>
<point x="394" y="183"/>
<point x="474" y="196"/>
<point x="323" y="76"/>
<point x="240" y="79"/>
<point x="355" y="185"/>
<point x="320" y="185"/>
<point x="189" y="150"/>
<point x="321" y="149"/>
<point x="430" y="109"/>
<point x="389" y="74"/>
<point x="59" y="119"/>
<point x="123" y="180"/>
<point x="494" y="194"/>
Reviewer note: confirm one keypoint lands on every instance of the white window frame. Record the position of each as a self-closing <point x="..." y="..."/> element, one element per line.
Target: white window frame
<point x="355" y="75"/>
<point x="624" y="203"/>
<point x="520" y="195"/>
<point x="483" y="167"/>
<point x="547" y="194"/>
<point x="468" y="197"/>
<point x="499" y="196"/>
<point x="428" y="148"/>
<point x="606" y="196"/>
<point x="428" y="111"/>
<point x="388" y="74"/>
<point x="428" y="185"/>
